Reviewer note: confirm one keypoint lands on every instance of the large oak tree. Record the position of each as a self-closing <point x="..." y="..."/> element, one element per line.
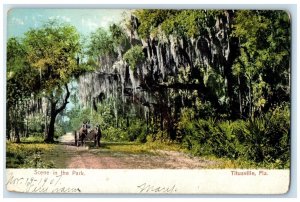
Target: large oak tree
<point x="53" y="50"/>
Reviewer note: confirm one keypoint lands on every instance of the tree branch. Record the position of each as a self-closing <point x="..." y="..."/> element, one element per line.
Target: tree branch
<point x="65" y="101"/>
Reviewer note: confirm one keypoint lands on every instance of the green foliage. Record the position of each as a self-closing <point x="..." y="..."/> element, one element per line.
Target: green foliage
<point x="52" y="51"/>
<point x="267" y="138"/>
<point x="137" y="131"/>
<point x="28" y="155"/>
<point x="182" y="23"/>
<point x="15" y="56"/>
<point x="21" y="81"/>
<point x="134" y="56"/>
<point x="103" y="116"/>
<point x="115" y="134"/>
<point x="39" y="64"/>
<point x="20" y="85"/>
<point x="264" y="140"/>
<point x="33" y="138"/>
<point x="101" y="43"/>
<point x="120" y="39"/>
<point x="187" y="23"/>
<point x="264" y="56"/>
<point x="35" y="161"/>
<point x="59" y="130"/>
<point x="35" y="123"/>
<point x="150" y="19"/>
<point x="160" y="136"/>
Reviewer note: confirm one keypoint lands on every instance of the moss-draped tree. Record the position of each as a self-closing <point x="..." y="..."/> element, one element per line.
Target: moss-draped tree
<point x="41" y="64"/>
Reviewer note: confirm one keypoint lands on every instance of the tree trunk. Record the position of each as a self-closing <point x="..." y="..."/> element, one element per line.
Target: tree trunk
<point x="17" y="135"/>
<point x="46" y="121"/>
<point x="240" y="97"/>
<point x="50" y="134"/>
<point x="147" y="120"/>
<point x="16" y="126"/>
<point x="9" y="124"/>
<point x="250" y="100"/>
<point x="27" y="132"/>
<point x="46" y="126"/>
<point x="53" y="114"/>
<point x="233" y="54"/>
<point x="127" y="122"/>
<point x="161" y="121"/>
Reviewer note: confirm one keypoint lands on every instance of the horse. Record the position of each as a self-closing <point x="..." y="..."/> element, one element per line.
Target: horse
<point x="95" y="135"/>
<point x="82" y="134"/>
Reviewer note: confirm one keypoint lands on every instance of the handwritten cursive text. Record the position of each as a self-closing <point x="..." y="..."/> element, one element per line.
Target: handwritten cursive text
<point x="148" y="188"/>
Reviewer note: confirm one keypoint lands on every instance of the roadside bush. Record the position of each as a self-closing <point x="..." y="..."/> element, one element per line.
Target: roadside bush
<point x="197" y="136"/>
<point x="267" y="139"/>
<point x="137" y="131"/>
<point x="161" y="136"/>
<point x="115" y="134"/>
<point x="206" y="137"/>
<point x="264" y="140"/>
<point x="230" y="146"/>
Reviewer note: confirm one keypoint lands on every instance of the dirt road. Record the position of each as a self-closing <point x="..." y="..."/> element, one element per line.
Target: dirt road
<point x="105" y="158"/>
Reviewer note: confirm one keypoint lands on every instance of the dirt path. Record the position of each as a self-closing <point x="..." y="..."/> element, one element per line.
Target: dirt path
<point x="104" y="158"/>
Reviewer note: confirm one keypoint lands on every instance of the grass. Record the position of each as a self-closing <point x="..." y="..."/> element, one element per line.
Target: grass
<point x="36" y="155"/>
<point x="226" y="163"/>
<point x="33" y="153"/>
<point x="32" y="139"/>
<point x="28" y="155"/>
<point x="151" y="147"/>
<point x="59" y="156"/>
<point x="136" y="147"/>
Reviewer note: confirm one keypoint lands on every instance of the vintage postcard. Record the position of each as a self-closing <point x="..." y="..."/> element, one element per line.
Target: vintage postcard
<point x="162" y="101"/>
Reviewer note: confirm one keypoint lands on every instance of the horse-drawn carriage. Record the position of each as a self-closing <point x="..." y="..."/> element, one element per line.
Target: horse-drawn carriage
<point x="87" y="133"/>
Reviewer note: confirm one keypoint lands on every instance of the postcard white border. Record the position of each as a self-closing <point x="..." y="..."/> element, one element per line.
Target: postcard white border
<point x="154" y="181"/>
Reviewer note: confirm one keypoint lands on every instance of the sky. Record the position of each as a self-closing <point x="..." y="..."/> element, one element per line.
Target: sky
<point x="85" y="20"/>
